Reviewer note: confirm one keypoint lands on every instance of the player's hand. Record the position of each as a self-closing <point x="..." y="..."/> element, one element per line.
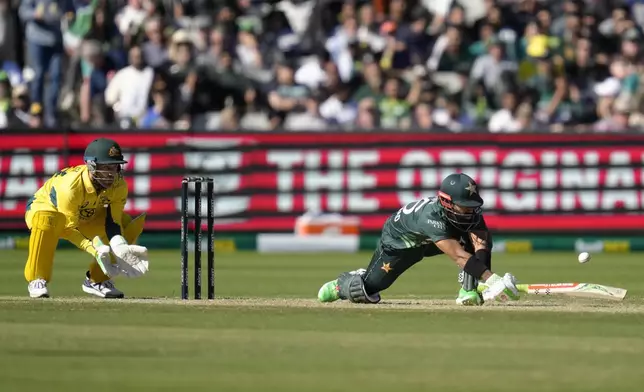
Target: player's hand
<point x="501" y="289"/>
<point x="104" y="258"/>
<point x="138" y="268"/>
<point x="132" y="259"/>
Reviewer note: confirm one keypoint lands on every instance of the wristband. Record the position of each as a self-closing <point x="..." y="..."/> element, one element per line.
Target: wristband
<point x="484" y="256"/>
<point x="475" y="267"/>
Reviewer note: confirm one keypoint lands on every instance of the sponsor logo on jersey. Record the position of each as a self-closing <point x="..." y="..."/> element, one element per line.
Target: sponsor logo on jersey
<point x="437" y="224"/>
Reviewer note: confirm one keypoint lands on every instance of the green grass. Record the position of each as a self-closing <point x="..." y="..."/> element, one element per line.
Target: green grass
<point x="73" y="342"/>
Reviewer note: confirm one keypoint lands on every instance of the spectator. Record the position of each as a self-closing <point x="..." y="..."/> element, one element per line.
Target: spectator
<point x="155" y="52"/>
<point x="617" y="120"/>
<point x="130" y="18"/>
<point x="394" y="107"/>
<point x="338" y="110"/>
<point x="287" y="97"/>
<point x="504" y="119"/>
<point x="43" y="19"/>
<point x="10" y="36"/>
<point x="157" y="116"/>
<point x="423" y="117"/>
<point x="18" y="115"/>
<point x="493" y="71"/>
<point x="371" y="88"/>
<point x="96" y="71"/>
<point x="128" y="91"/>
<point x="180" y="74"/>
<point x="504" y="66"/>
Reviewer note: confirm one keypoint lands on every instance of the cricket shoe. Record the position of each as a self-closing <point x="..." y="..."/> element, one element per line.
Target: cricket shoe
<point x="329" y="292"/>
<point x="469" y="298"/>
<point x="104" y="289"/>
<point x="38" y="289"/>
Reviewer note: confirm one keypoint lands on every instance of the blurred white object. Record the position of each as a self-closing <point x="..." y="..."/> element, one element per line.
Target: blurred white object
<point x="608" y="88"/>
<point x="583" y="257"/>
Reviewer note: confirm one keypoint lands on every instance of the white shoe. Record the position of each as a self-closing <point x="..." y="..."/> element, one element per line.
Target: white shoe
<point x="38" y="289"/>
<point x="104" y="289"/>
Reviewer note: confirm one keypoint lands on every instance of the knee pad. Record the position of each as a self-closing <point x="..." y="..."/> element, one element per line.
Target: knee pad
<point x="132" y="228"/>
<point x="356" y="291"/>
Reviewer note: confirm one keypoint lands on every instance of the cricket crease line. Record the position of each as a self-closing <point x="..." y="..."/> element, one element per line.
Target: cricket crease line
<point x="432" y="305"/>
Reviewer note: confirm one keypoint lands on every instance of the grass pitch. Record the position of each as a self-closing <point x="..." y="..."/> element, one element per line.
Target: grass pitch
<point x="266" y="332"/>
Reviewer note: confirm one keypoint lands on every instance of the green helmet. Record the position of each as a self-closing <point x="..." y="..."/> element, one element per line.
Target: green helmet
<point x="104" y="151"/>
<point x="460" y="199"/>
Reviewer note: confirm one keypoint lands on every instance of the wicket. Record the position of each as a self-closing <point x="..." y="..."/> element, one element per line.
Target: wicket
<point x="197" y="181"/>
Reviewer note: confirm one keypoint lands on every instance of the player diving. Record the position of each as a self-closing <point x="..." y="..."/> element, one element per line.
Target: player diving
<point x="450" y="224"/>
<point x="84" y="205"/>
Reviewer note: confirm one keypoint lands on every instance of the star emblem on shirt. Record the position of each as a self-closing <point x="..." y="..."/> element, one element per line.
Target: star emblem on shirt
<point x="386" y="267"/>
<point x="471" y="187"/>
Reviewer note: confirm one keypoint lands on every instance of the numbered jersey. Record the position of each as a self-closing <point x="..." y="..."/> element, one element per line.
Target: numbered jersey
<point x="421" y="223"/>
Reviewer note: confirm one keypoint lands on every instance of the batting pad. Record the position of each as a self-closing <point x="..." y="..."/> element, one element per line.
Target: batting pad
<point x="46" y="228"/>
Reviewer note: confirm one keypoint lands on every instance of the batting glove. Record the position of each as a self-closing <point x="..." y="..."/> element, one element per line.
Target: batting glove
<point x="501" y="289"/>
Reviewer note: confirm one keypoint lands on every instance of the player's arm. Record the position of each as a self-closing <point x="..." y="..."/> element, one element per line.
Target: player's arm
<point x="466" y="261"/>
<point x="68" y="200"/>
<point x="132" y="259"/>
<point x="500" y="288"/>
<point x="482" y="241"/>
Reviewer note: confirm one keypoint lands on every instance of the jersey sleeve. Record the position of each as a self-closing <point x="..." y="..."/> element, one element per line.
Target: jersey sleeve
<point x="69" y="196"/>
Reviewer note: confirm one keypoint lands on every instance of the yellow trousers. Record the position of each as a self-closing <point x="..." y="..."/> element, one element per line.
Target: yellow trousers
<point x="47" y="226"/>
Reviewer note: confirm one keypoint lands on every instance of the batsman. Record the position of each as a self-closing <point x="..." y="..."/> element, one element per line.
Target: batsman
<point x="84" y="205"/>
<point x="450" y="224"/>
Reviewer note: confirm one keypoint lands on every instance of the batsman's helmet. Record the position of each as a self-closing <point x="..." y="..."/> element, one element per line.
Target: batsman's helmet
<point x="460" y="199"/>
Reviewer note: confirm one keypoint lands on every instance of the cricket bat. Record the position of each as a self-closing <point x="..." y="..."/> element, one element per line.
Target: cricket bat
<point x="588" y="290"/>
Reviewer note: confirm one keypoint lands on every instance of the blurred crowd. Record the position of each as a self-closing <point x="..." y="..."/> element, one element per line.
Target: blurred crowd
<point x="436" y="65"/>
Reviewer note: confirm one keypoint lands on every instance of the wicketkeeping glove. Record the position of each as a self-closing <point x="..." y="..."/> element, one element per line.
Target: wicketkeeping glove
<point x="501" y="289"/>
<point x="132" y="259"/>
<point x="104" y="258"/>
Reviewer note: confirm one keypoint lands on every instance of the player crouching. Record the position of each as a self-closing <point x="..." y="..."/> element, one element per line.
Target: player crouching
<point x="84" y="205"/>
<point x="450" y="224"/>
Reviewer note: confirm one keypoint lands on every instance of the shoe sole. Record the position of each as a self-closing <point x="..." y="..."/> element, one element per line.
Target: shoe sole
<point x="468" y="302"/>
<point x="101" y="295"/>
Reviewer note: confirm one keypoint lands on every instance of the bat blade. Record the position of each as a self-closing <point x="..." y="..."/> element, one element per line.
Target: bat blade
<point x="588" y="290"/>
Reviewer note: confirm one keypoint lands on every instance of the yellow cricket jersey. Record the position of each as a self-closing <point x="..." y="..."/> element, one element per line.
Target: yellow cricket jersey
<point x="71" y="192"/>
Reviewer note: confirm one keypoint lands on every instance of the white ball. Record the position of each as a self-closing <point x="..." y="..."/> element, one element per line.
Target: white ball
<point x="583" y="257"/>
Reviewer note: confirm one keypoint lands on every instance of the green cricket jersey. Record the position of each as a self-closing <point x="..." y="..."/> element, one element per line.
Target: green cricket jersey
<point x="421" y="223"/>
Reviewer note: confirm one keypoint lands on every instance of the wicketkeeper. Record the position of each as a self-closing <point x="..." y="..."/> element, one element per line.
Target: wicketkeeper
<point x="450" y="224"/>
<point x="84" y="205"/>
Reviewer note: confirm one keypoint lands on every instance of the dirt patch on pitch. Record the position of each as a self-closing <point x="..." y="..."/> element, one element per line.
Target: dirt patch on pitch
<point x="428" y="305"/>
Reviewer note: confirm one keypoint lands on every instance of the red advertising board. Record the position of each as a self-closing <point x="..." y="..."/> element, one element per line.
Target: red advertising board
<point x="264" y="181"/>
